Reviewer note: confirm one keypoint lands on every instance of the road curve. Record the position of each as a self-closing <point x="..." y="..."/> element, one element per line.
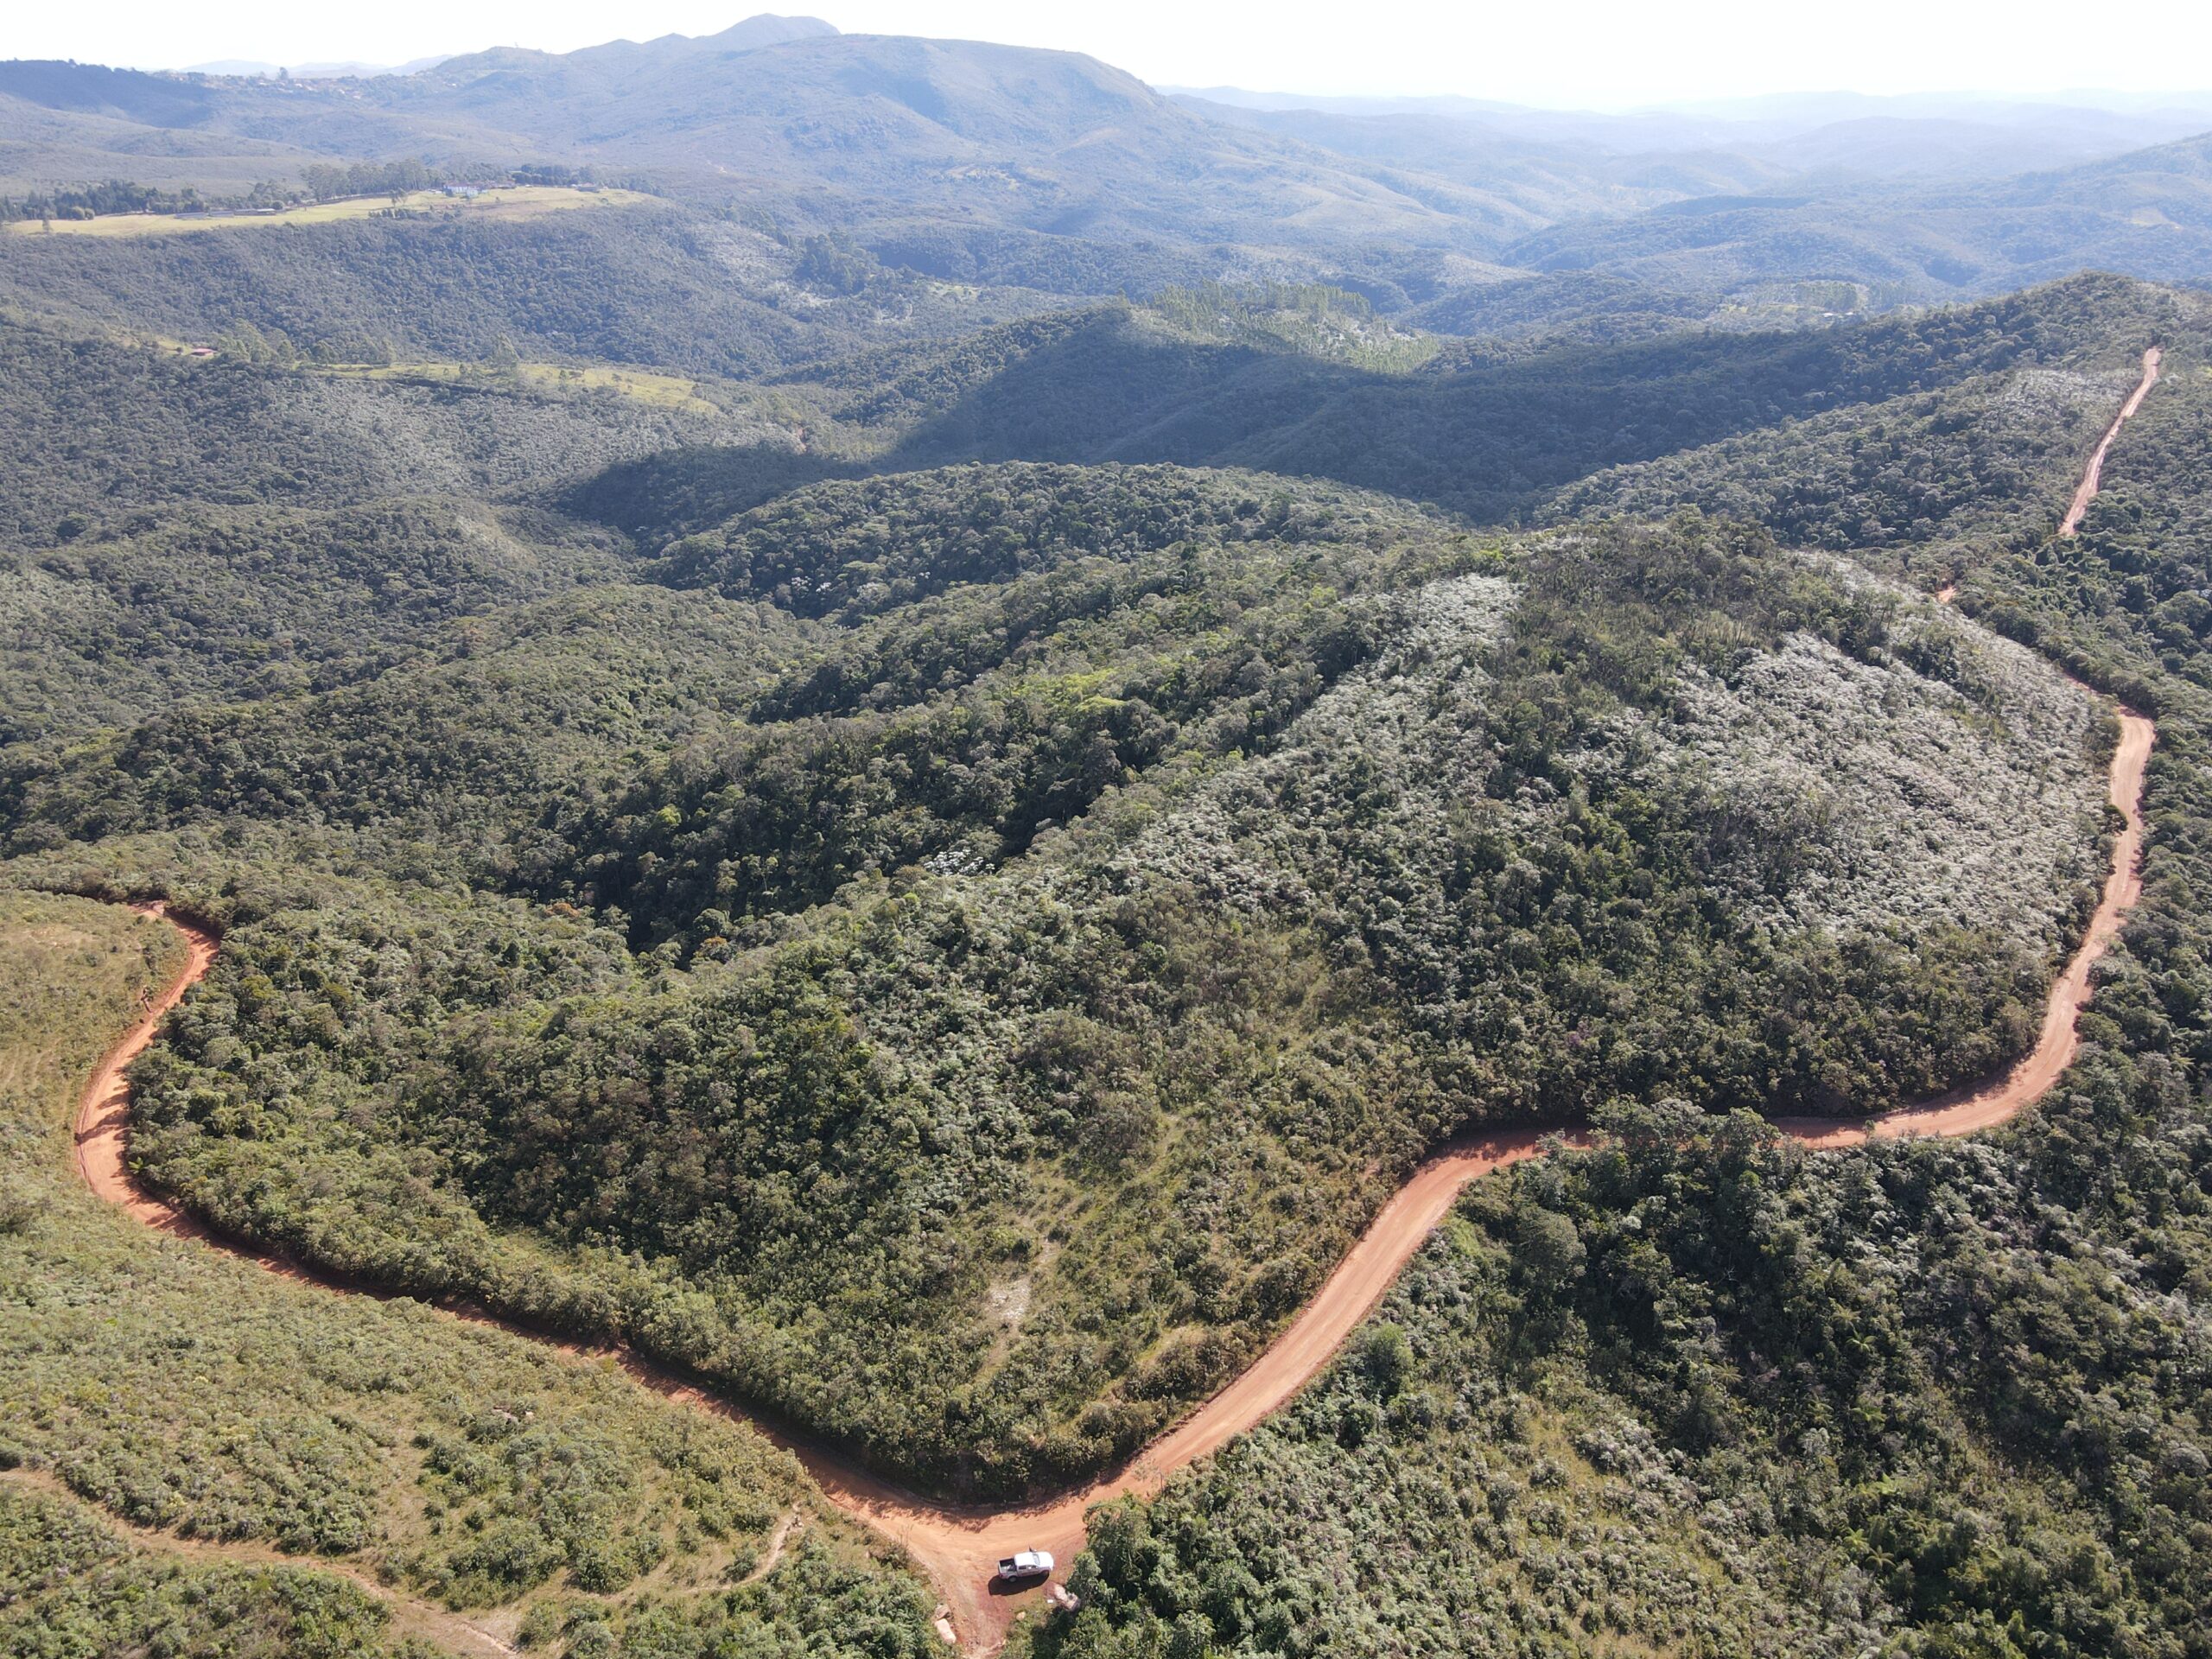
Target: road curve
<point x="104" y="1109"/>
<point x="957" y="1544"/>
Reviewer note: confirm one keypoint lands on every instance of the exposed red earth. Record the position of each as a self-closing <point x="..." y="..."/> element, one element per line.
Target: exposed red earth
<point x="104" y="1109"/>
<point x="2093" y="474"/>
<point x="957" y="1545"/>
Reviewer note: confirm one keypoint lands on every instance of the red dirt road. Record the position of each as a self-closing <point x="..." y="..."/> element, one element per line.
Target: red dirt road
<point x="104" y="1109"/>
<point x="2094" y="476"/>
<point x="956" y="1545"/>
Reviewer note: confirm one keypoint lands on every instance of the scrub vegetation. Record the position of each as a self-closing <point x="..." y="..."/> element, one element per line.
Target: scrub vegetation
<point x="1706" y="1391"/>
<point x="838" y="801"/>
<point x="193" y="1394"/>
<point x="1033" y="932"/>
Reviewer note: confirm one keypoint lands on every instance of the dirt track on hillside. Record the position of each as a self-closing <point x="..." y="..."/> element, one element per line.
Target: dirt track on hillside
<point x="104" y="1109"/>
<point x="956" y="1545"/>
<point x="2092" y="475"/>
<point x="409" y="1616"/>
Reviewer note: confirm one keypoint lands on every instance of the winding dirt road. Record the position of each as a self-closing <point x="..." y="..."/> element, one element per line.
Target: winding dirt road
<point x="2092" y="476"/>
<point x="956" y="1545"/>
<point x="104" y="1109"/>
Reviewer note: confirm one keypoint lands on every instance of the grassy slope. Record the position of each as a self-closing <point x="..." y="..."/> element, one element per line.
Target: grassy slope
<point x="640" y="386"/>
<point x="522" y="201"/>
<point x="72" y="1584"/>
<point x="189" y="1391"/>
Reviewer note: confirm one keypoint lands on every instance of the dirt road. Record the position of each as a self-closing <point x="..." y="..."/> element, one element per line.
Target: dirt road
<point x="104" y="1109"/>
<point x="2094" y="476"/>
<point x="956" y="1545"/>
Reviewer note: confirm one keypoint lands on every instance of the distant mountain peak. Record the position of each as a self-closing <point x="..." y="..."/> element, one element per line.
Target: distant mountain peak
<point x="770" y="28"/>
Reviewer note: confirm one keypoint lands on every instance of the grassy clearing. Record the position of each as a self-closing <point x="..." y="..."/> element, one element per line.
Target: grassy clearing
<point x="638" y="386"/>
<point x="183" y="1390"/>
<point x="521" y="201"/>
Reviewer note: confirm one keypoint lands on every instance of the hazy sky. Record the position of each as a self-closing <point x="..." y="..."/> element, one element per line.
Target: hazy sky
<point x="1602" y="52"/>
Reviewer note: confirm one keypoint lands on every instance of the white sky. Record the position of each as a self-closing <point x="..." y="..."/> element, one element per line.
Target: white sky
<point x="1596" y="52"/>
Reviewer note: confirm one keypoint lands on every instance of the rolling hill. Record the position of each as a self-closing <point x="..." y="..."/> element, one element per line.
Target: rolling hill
<point x="938" y="152"/>
<point x="2147" y="212"/>
<point x="847" y="814"/>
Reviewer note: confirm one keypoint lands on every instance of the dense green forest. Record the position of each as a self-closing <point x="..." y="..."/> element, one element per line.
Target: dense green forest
<point x="1270" y="379"/>
<point x="936" y="864"/>
<point x="935" y="1010"/>
<point x="1705" y="1389"/>
<point x="1501" y="427"/>
<point x="2147" y="538"/>
<point x="1465" y="430"/>
<point x="100" y="436"/>
<point x="246" y="605"/>
<point x="642" y="283"/>
<point x="1919" y="483"/>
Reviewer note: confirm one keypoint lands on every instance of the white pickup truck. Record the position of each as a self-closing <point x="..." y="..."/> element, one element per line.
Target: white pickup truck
<point x="1026" y="1564"/>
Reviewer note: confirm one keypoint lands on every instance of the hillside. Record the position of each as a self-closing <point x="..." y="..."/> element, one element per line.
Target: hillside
<point x="96" y="434"/>
<point x="1532" y="181"/>
<point x="1307" y="378"/>
<point x="1704" y="1388"/>
<point x="644" y="284"/>
<point x="1051" y="845"/>
<point x="302" y="1472"/>
<point x="860" y="128"/>
<point x="1924" y="478"/>
<point x="1488" y="434"/>
<point x="1801" y="1405"/>
<point x="938" y="154"/>
<point x="2148" y="212"/>
<point x="843" y="832"/>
